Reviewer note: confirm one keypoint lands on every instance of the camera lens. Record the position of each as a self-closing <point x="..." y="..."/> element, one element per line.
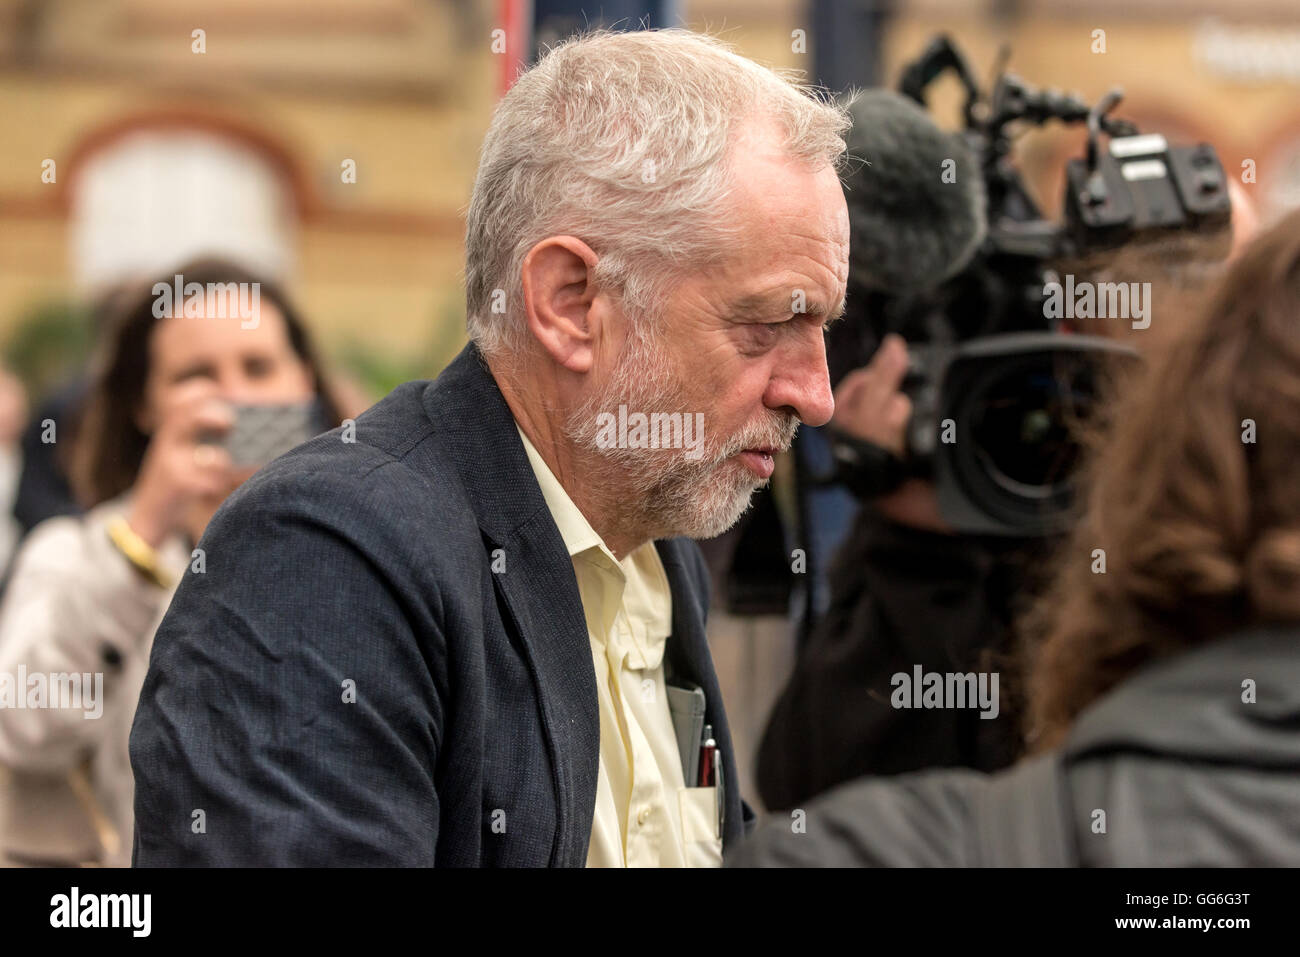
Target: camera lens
<point x="1023" y="426"/>
<point x="1012" y="468"/>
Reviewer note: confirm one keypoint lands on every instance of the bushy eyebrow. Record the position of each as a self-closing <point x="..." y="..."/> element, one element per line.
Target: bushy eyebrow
<point x="773" y="303"/>
<point x="761" y="303"/>
<point x="838" y="311"/>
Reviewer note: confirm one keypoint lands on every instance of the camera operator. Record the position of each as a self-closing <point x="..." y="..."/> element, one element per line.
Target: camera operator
<point x="1163" y="695"/>
<point x="949" y="250"/>
<point x="905" y="590"/>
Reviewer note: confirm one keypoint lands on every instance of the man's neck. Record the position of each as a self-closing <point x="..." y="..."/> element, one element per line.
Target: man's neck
<point x="599" y="501"/>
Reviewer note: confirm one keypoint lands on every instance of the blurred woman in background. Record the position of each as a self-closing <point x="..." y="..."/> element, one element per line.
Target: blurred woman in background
<point x="151" y="466"/>
<point x="13" y="416"/>
<point x="1164" y="679"/>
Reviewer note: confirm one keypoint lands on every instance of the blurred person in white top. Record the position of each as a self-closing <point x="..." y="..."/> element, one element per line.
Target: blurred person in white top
<point x="87" y="592"/>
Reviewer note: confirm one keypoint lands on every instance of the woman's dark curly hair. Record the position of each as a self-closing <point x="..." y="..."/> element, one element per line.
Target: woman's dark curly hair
<point x="1200" y="527"/>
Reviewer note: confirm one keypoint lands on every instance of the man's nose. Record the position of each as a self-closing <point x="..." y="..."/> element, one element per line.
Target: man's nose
<point x="803" y="383"/>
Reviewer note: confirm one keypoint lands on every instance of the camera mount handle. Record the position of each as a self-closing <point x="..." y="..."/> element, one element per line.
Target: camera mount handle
<point x="1099" y="120"/>
<point x="939" y="57"/>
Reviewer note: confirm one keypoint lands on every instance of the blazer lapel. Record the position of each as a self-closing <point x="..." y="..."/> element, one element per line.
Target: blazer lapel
<point x="538" y="587"/>
<point x="541" y="593"/>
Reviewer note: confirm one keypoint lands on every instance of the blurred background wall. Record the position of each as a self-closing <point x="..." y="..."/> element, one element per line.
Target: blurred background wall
<point x="330" y="143"/>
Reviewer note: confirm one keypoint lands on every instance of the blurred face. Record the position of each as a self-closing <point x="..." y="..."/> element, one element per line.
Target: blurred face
<point x="741" y="343"/>
<point x="251" y="366"/>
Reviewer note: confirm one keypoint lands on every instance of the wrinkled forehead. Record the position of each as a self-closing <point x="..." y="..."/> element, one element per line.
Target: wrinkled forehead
<point x="768" y="178"/>
<point x="790" y="228"/>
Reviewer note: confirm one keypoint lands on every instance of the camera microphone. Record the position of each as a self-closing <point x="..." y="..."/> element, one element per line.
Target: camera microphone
<point x="916" y="198"/>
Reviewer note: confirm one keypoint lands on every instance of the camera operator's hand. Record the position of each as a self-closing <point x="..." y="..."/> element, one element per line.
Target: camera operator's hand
<point x="180" y="473"/>
<point x="914" y="503"/>
<point x="869" y="403"/>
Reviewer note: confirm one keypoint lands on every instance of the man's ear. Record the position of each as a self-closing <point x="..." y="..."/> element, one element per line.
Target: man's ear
<point x="558" y="295"/>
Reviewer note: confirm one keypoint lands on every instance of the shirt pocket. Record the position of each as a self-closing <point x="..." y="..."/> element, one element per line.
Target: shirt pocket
<point x="701" y="835"/>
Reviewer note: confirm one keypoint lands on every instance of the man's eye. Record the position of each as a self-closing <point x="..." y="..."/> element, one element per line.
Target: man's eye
<point x="762" y="335"/>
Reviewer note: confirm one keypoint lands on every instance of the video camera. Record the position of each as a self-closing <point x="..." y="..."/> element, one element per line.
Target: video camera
<point x="998" y="383"/>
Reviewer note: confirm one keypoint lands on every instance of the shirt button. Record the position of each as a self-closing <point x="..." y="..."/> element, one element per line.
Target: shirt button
<point x="643" y="815"/>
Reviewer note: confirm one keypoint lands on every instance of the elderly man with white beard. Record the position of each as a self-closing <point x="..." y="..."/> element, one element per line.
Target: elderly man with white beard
<point x="472" y="630"/>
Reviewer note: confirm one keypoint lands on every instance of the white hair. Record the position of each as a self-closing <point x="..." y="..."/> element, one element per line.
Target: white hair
<point x="624" y="141"/>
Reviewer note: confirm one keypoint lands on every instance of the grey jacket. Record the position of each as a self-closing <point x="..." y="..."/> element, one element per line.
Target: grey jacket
<point x="1172" y="768"/>
<point x="356" y="680"/>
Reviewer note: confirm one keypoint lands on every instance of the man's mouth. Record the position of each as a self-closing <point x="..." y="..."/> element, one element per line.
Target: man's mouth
<point x="760" y="460"/>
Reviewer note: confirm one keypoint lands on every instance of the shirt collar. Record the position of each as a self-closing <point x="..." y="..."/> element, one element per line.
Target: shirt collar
<point x="574" y="528"/>
<point x="642" y="584"/>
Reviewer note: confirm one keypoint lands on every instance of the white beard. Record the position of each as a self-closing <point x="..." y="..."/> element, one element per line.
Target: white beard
<point x="661" y="493"/>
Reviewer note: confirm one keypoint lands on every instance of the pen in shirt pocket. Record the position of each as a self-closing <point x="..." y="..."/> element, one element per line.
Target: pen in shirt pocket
<point x="711" y="771"/>
<point x="708" y="759"/>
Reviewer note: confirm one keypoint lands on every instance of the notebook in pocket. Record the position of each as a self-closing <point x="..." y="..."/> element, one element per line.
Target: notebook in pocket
<point x="686" y="706"/>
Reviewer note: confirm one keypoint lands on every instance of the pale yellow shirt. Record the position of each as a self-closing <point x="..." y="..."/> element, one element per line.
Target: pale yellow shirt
<point x="645" y="816"/>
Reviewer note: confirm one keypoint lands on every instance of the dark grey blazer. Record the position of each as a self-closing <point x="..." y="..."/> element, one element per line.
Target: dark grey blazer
<point x="348" y="681"/>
